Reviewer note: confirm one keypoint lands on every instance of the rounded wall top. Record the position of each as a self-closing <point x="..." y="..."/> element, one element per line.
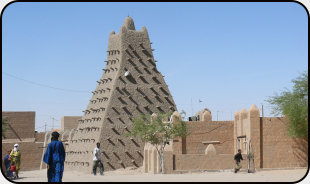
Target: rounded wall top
<point x="207" y="112"/>
<point x="253" y="108"/>
<point x="237" y="113"/>
<point x="175" y="115"/>
<point x="202" y="111"/>
<point x="146" y="146"/>
<point x="243" y="113"/>
<point x="210" y="150"/>
<point x="129" y="24"/>
<point x="206" y="116"/>
<point x="206" y="109"/>
<point x="149" y="147"/>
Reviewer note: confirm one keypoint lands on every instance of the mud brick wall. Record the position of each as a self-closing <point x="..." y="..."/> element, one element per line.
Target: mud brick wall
<point x="31" y="154"/>
<point x="279" y="150"/>
<point x="247" y="125"/>
<point x="203" y="162"/>
<point x="206" y="131"/>
<point x="269" y="140"/>
<point x="39" y="137"/>
<point x="22" y="122"/>
<point x="69" y="122"/>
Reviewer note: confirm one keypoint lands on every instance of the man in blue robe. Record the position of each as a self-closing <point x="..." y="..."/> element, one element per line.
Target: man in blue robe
<point x="54" y="157"/>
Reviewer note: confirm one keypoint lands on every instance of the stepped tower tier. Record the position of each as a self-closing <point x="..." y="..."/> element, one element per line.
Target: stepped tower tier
<point x="129" y="86"/>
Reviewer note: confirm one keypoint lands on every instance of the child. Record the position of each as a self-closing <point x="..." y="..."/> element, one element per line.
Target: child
<point x="13" y="170"/>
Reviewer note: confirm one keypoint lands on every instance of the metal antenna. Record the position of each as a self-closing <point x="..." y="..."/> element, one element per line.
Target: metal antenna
<point x="53" y="121"/>
<point x="192" y="106"/>
<point x="201" y="104"/>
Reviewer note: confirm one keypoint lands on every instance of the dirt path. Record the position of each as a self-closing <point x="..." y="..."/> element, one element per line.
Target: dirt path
<point x="130" y="175"/>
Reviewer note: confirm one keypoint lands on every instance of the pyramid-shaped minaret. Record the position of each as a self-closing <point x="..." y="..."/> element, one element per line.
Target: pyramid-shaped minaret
<point x="130" y="85"/>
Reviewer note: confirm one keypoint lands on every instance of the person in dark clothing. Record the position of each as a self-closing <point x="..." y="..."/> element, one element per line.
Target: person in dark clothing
<point x="7" y="163"/>
<point x="54" y="157"/>
<point x="237" y="158"/>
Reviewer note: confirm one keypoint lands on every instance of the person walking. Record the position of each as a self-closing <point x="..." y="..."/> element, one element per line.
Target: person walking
<point x="237" y="158"/>
<point x="7" y="163"/>
<point x="97" y="160"/>
<point x="15" y="157"/>
<point x="54" y="157"/>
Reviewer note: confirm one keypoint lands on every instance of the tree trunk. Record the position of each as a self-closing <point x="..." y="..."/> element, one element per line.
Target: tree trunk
<point x="161" y="163"/>
<point x="160" y="153"/>
<point x="249" y="164"/>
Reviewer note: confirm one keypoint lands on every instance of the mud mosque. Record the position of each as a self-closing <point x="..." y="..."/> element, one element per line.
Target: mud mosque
<point x="131" y="85"/>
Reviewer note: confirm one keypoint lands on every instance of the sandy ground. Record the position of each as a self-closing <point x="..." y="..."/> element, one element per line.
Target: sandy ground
<point x="134" y="175"/>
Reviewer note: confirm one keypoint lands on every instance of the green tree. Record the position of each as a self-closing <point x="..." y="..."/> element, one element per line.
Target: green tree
<point x="158" y="131"/>
<point x="4" y="124"/>
<point x="293" y="104"/>
<point x="183" y="114"/>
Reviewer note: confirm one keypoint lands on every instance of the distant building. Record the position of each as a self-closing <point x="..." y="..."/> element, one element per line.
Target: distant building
<point x="21" y="130"/>
<point x="70" y="122"/>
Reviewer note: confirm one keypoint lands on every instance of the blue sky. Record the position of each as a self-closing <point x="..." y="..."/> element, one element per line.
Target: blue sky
<point x="229" y="55"/>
